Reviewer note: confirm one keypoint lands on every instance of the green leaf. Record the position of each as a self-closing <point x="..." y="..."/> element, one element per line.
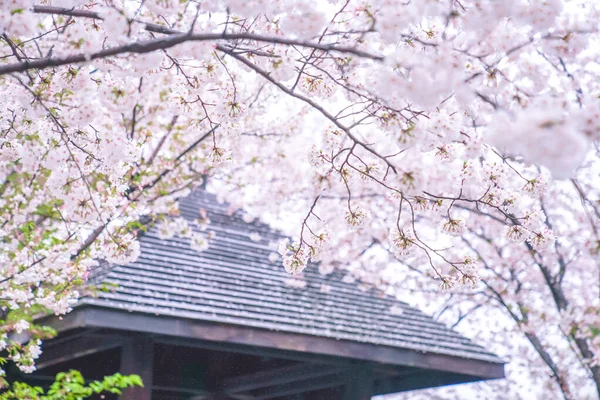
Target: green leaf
<point x="70" y="386"/>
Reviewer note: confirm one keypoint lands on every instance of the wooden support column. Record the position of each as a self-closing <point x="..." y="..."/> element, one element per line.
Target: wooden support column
<point x="360" y="383"/>
<point x="137" y="356"/>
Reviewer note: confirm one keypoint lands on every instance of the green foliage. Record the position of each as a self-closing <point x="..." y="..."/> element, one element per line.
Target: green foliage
<point x="71" y="386"/>
<point x="50" y="209"/>
<point x="136" y="225"/>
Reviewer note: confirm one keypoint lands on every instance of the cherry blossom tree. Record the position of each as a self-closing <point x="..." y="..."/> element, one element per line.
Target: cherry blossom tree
<point x="408" y="142"/>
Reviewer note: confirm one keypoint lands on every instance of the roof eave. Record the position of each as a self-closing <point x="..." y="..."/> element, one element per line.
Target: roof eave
<point x="88" y="316"/>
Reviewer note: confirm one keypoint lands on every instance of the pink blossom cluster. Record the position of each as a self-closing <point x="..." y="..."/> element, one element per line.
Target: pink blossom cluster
<point x="456" y="138"/>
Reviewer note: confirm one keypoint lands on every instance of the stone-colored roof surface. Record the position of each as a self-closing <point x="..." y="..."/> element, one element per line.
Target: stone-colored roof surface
<point x="233" y="282"/>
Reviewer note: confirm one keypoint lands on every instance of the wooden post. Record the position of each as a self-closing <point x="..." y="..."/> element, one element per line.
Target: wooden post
<point x="360" y="383"/>
<point x="137" y="356"/>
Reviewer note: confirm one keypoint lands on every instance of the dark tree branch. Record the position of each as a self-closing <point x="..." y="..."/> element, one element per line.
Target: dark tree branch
<point x="177" y="161"/>
<point x="174" y="38"/>
<point x="90" y="239"/>
<point x="308" y="101"/>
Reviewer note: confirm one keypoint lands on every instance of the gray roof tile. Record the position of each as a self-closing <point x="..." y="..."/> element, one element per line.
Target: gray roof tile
<point x="234" y="282"/>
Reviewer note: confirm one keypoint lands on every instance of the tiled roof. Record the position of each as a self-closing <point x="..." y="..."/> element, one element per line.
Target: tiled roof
<point x="233" y="282"/>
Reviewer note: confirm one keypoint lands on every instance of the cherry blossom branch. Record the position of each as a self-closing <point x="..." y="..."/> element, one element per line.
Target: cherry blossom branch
<point x="70" y="12"/>
<point x="64" y="137"/>
<point x="554" y="285"/>
<point x="89" y="240"/>
<point x="480" y="256"/>
<point x="417" y="242"/>
<point x="586" y="201"/>
<point x="305" y="225"/>
<point x="308" y="101"/>
<point x="174" y="38"/>
<point x="177" y="161"/>
<point x="162" y="140"/>
<point x="531" y="337"/>
<point x="547" y="358"/>
<point x="178" y="38"/>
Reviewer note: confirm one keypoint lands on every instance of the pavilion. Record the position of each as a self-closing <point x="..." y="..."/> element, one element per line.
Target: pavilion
<point x="227" y="324"/>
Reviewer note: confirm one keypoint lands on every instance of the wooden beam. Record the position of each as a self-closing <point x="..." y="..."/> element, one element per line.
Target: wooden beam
<point x="289" y="380"/>
<point x="418" y="379"/>
<point x="279" y="377"/>
<point x="323" y="382"/>
<point x="137" y="357"/>
<point x="252" y="350"/>
<point x="57" y="353"/>
<point x="69" y="336"/>
<point x="222" y="396"/>
<point x="181" y="390"/>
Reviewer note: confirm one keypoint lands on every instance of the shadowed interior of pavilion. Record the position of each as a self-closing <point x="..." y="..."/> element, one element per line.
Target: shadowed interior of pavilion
<point x="223" y="324"/>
